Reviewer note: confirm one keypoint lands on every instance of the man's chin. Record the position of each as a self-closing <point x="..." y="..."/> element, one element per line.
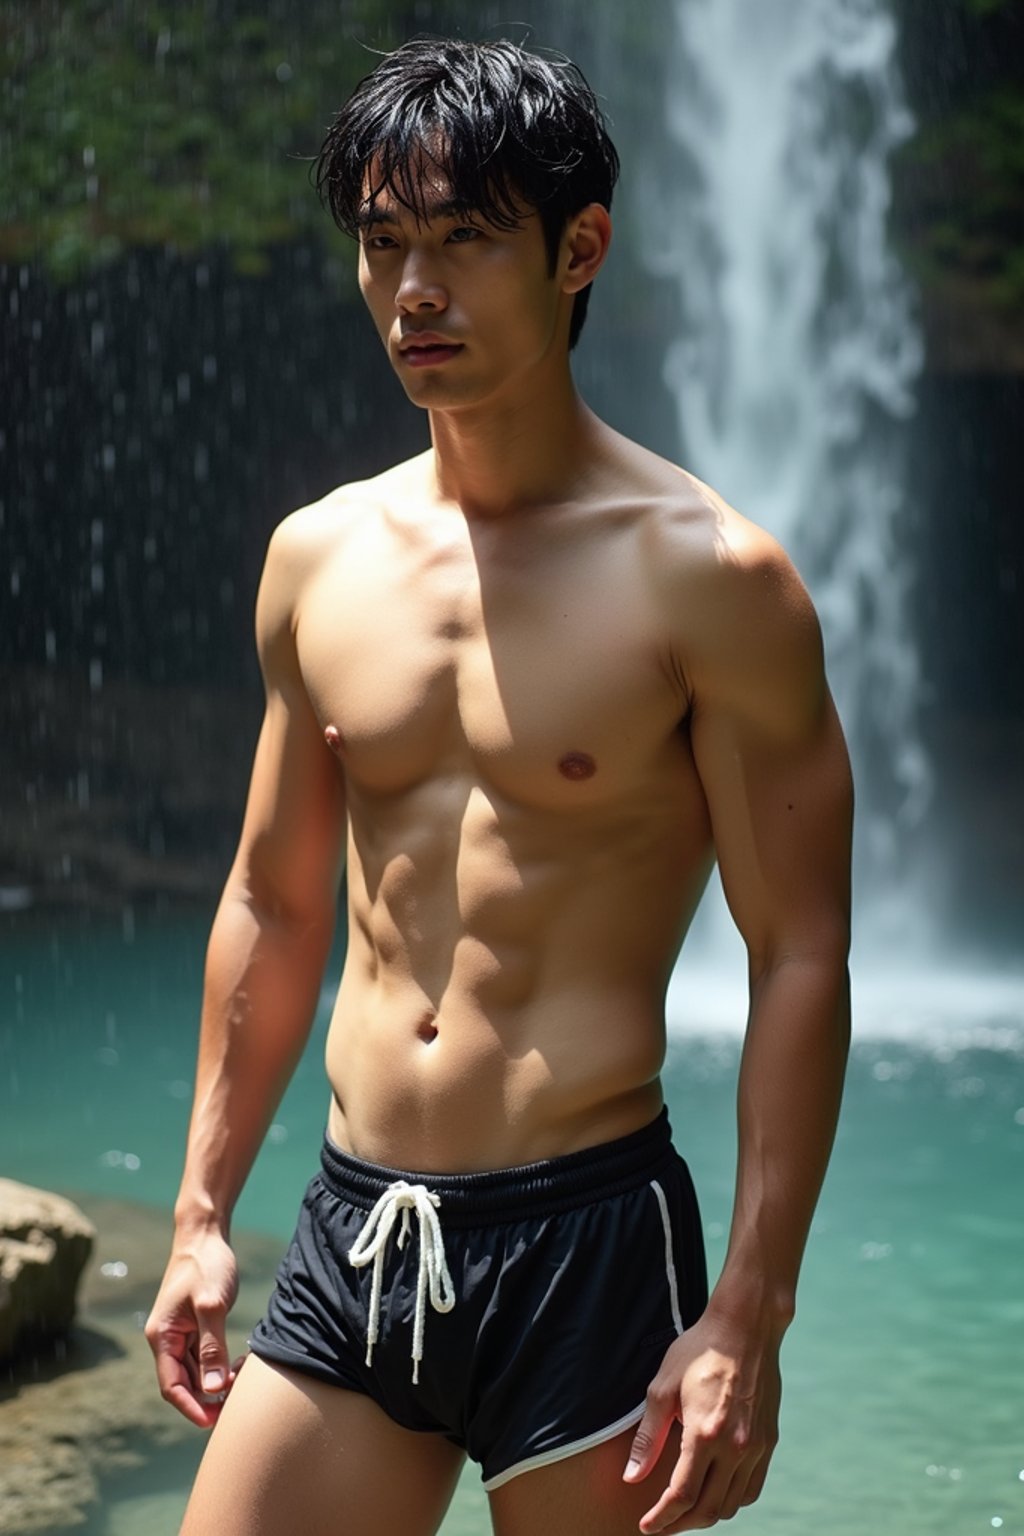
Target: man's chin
<point x="434" y="394"/>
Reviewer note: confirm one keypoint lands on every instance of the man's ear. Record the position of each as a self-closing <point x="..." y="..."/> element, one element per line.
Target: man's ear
<point x="585" y="246"/>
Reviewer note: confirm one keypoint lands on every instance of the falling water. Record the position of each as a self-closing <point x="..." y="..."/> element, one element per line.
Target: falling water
<point x="795" y="365"/>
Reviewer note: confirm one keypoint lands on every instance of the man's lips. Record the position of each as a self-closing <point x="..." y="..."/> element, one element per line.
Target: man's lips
<point x="426" y="348"/>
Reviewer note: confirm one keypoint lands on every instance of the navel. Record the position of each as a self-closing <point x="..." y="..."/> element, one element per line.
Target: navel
<point x="577" y="765"/>
<point x="333" y="738"/>
<point x="426" y="1029"/>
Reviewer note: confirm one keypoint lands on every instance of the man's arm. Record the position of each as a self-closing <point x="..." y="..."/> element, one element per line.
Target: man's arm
<point x="771" y="757"/>
<point x="264" y="965"/>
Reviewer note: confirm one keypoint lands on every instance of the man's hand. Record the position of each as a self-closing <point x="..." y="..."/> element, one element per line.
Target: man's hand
<point x="724" y="1387"/>
<point x="185" y="1329"/>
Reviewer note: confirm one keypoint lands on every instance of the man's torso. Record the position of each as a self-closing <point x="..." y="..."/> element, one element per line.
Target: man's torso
<point x="528" y="836"/>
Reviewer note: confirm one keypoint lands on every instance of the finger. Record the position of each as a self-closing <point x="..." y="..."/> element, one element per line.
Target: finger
<point x="650" y="1437"/>
<point x="756" y="1480"/>
<point x="176" y="1385"/>
<point x="735" y="1494"/>
<point x="202" y="1415"/>
<point x="714" y="1501"/>
<point x="212" y="1352"/>
<point x="685" y="1488"/>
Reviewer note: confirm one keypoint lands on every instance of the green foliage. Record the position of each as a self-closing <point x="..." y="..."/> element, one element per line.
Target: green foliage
<point x="964" y="179"/>
<point x="193" y="123"/>
<point x="126" y="125"/>
<point x="987" y="7"/>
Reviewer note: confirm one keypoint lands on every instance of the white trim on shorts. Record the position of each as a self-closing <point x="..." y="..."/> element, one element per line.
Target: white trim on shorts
<point x="561" y="1452"/>
<point x="599" y="1436"/>
<point x="670" y="1265"/>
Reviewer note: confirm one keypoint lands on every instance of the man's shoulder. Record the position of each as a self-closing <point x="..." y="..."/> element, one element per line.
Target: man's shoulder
<point x="732" y="604"/>
<point x="307" y="536"/>
<point x="696" y="538"/>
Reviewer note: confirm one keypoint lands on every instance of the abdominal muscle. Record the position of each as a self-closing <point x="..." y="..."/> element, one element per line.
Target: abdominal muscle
<point x="502" y="999"/>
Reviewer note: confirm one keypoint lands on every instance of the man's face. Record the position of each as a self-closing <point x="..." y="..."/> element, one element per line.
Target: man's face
<point x="466" y="311"/>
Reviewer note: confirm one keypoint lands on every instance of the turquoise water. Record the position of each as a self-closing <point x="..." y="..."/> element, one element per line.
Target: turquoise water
<point x="903" y="1406"/>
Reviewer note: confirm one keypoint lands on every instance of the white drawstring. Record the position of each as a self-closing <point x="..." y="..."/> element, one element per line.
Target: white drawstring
<point x="371" y="1245"/>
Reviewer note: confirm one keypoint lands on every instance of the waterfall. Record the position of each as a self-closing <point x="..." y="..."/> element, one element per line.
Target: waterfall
<point x="795" y="363"/>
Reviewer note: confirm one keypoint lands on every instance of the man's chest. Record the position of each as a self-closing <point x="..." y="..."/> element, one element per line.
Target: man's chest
<point x="542" y="674"/>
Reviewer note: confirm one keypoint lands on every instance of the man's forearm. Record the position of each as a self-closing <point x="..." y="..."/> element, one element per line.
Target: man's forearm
<point x="262" y="983"/>
<point x="790" y="1086"/>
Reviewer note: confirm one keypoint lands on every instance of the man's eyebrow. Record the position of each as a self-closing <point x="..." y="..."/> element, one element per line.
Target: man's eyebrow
<point x="368" y="218"/>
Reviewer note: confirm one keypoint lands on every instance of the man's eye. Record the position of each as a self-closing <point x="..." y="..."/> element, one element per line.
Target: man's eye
<point x="378" y="243"/>
<point x="463" y="233"/>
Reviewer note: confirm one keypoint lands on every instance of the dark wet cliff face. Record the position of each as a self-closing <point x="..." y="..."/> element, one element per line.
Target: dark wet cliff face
<point x="959" y="182"/>
<point x="170" y="400"/>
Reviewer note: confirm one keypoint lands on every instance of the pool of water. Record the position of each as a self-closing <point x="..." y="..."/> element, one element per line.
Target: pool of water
<point x="903" y="1409"/>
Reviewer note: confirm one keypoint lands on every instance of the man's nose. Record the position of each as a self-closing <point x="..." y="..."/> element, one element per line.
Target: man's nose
<point x="419" y="288"/>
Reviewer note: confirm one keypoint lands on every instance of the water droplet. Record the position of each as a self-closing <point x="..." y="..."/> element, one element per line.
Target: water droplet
<point x="1019" y="1120"/>
<point x="996" y="1521"/>
<point x="277" y="1134"/>
<point x="116" y="1269"/>
<point x="132" y="1162"/>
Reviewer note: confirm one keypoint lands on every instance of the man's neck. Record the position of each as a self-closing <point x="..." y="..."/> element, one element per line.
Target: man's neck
<point x="502" y="457"/>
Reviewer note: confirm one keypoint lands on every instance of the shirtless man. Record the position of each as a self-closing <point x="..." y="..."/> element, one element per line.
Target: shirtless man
<point x="529" y="684"/>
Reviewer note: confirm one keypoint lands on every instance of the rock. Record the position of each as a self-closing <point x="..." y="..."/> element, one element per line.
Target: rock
<point x="71" y="1426"/>
<point x="45" y="1242"/>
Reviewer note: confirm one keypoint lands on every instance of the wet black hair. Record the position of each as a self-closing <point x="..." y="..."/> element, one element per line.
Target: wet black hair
<point x="508" y="130"/>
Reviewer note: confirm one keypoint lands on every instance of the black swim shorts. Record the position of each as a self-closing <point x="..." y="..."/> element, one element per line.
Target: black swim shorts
<point x="522" y="1313"/>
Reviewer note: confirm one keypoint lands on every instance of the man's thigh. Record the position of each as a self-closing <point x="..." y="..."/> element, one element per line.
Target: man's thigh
<point x="290" y="1453"/>
<point x="583" y="1495"/>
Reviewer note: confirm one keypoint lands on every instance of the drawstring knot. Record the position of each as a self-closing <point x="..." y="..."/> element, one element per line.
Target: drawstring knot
<point x="433" y="1279"/>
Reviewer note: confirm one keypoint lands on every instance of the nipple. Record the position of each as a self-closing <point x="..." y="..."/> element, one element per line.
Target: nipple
<point x="332" y="736"/>
<point x="577" y="765"/>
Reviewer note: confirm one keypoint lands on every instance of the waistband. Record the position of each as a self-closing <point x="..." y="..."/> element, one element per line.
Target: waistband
<point x="511" y="1194"/>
